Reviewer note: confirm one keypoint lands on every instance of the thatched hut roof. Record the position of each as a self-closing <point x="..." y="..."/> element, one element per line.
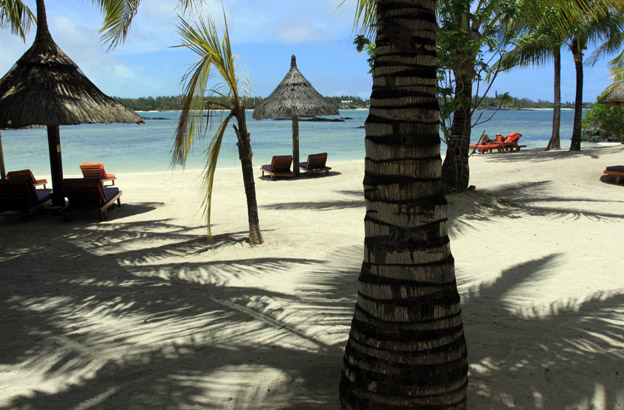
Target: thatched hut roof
<point x="45" y="87"/>
<point x="614" y="97"/>
<point x="294" y="96"/>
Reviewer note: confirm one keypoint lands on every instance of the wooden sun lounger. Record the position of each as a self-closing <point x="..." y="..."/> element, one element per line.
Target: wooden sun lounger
<point x="617" y="171"/>
<point x="316" y="163"/>
<point x="20" y="195"/>
<point x="279" y="167"/>
<point x="89" y="195"/>
<point x="27" y="175"/>
<point x="96" y="170"/>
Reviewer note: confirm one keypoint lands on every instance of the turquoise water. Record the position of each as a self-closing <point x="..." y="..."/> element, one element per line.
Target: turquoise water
<point x="147" y="147"/>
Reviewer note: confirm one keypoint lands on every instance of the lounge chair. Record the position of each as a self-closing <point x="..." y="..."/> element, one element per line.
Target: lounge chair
<point x="315" y="163"/>
<point x="89" y="195"/>
<point x="96" y="170"/>
<point x="511" y="142"/>
<point x="502" y="144"/>
<point x="486" y="144"/>
<point x="617" y="170"/>
<point x="279" y="167"/>
<point x="20" y="195"/>
<point x="27" y="175"/>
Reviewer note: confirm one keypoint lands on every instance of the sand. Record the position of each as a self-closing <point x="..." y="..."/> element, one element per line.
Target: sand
<point x="141" y="312"/>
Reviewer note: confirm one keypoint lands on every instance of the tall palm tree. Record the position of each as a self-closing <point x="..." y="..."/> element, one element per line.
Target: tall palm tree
<point x="608" y="28"/>
<point x="215" y="55"/>
<point x="406" y="347"/>
<point x="541" y="44"/>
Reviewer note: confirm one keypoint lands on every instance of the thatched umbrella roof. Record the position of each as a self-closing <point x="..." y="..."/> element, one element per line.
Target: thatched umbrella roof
<point x="614" y="97"/>
<point x="45" y="87"/>
<point x="294" y="97"/>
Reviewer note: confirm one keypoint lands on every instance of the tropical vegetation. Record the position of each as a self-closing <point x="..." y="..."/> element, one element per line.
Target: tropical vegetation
<point x="605" y="121"/>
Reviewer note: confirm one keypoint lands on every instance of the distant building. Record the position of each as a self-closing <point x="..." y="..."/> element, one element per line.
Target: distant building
<point x="346" y="103"/>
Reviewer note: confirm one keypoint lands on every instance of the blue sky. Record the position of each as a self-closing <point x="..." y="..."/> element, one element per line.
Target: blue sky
<point x="264" y="34"/>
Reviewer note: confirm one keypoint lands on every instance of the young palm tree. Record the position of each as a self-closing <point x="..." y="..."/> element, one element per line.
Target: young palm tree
<point x="406" y="347"/>
<point x="215" y="55"/>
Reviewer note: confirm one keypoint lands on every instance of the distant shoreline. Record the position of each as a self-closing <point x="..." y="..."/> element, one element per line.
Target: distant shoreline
<point x="366" y="109"/>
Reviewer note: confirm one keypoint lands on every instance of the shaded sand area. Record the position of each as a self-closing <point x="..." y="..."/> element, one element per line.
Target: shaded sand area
<point x="140" y="312"/>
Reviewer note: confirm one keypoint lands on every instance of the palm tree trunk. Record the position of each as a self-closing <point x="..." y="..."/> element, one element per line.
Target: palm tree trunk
<point x="245" y="154"/>
<point x="455" y="169"/>
<point x="575" y="143"/>
<point x="2" y="169"/>
<point x="295" y="138"/>
<point x="555" y="140"/>
<point x="406" y="348"/>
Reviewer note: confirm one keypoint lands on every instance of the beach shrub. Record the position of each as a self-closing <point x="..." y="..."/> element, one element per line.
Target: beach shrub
<point x="604" y="120"/>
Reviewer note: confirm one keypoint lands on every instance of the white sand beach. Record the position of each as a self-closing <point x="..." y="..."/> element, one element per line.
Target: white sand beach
<point x="141" y="312"/>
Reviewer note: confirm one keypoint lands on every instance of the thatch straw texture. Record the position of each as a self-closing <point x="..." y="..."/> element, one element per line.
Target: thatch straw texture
<point x="294" y="96"/>
<point x="614" y="97"/>
<point x="45" y="87"/>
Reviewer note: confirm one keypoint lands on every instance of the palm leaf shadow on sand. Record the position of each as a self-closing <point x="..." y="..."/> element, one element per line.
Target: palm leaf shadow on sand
<point x="546" y="354"/>
<point x="151" y="327"/>
<point x="519" y="200"/>
<point x="356" y="201"/>
<point x="139" y="332"/>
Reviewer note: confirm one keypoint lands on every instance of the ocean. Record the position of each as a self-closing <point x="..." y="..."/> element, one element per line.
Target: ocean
<point x="147" y="147"/>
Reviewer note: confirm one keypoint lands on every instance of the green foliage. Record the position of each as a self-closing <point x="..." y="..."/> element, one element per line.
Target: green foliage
<point x="175" y="103"/>
<point x="348" y="102"/>
<point x="508" y="102"/>
<point x="364" y="44"/>
<point x="16" y="16"/>
<point x="604" y="120"/>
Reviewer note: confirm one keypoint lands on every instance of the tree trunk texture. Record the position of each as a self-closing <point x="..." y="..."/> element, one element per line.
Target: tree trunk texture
<point x="2" y="169"/>
<point x="295" y="138"/>
<point x="555" y="140"/>
<point x="406" y="347"/>
<point x="575" y="143"/>
<point x="455" y="169"/>
<point x="245" y="154"/>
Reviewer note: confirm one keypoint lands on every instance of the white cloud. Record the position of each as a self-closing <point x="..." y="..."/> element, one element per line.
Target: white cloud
<point x="291" y="31"/>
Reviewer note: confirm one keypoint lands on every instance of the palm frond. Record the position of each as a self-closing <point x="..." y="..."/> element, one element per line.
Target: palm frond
<point x="618" y="61"/>
<point x="211" y="166"/>
<point x="15" y="15"/>
<point x="365" y="17"/>
<point x="118" y="15"/>
<point x="617" y="74"/>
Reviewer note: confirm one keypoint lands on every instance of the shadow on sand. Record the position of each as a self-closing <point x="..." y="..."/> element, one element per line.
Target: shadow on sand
<point x="145" y="315"/>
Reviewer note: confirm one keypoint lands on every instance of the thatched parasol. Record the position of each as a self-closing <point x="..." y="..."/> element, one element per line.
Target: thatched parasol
<point x="615" y="96"/>
<point x="45" y="87"/>
<point x="294" y="97"/>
